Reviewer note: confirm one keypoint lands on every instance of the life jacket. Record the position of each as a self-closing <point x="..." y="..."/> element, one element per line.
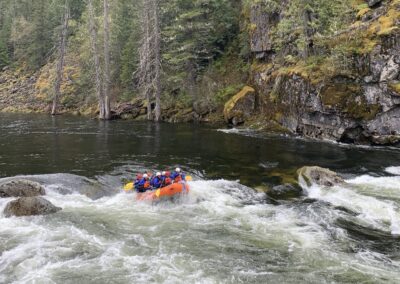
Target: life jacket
<point x="147" y="184"/>
<point x="178" y="178"/>
<point x="157" y="182"/>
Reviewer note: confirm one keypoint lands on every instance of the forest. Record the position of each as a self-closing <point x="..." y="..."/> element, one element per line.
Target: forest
<point x="179" y="60"/>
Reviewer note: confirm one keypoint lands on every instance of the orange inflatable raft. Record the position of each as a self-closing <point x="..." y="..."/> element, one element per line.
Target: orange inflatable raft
<point x="165" y="192"/>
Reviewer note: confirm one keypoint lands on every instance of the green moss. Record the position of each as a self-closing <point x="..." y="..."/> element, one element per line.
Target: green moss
<point x="232" y="102"/>
<point x="348" y="98"/>
<point x="283" y="176"/>
<point x="226" y="93"/>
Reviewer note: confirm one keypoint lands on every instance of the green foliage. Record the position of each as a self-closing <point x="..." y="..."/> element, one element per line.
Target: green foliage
<point x="304" y="19"/>
<point x="196" y="32"/>
<point x="224" y="94"/>
<point x="4" y="57"/>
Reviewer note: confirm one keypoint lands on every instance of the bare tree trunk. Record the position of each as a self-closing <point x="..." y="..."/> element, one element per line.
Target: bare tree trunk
<point x="157" y="58"/>
<point x="309" y="30"/>
<point x="106" y="62"/>
<point x="93" y="41"/>
<point x="60" y="65"/>
<point x="145" y="57"/>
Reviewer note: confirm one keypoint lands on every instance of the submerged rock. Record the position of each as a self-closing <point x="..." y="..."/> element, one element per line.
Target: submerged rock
<point x="30" y="206"/>
<point x="21" y="188"/>
<point x="319" y="176"/>
<point x="285" y="191"/>
<point x="240" y="107"/>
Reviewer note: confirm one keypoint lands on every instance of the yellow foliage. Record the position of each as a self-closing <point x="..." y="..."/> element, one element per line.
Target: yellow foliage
<point x="232" y="102"/>
<point x="385" y="24"/>
<point x="362" y="12"/>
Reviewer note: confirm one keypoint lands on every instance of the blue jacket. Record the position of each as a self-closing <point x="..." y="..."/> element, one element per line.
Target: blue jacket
<point x="139" y="185"/>
<point x="156" y="182"/>
<point x="174" y="175"/>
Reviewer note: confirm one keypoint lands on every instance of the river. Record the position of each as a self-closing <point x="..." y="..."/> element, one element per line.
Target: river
<point x="224" y="231"/>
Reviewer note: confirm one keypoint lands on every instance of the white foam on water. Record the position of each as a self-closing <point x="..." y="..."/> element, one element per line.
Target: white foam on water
<point x="371" y="197"/>
<point x="393" y="170"/>
<point x="209" y="234"/>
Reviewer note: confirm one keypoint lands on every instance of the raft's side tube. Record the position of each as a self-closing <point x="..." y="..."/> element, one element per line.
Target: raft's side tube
<point x="168" y="191"/>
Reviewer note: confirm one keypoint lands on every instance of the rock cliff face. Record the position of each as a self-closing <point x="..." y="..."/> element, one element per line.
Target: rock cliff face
<point x="353" y="101"/>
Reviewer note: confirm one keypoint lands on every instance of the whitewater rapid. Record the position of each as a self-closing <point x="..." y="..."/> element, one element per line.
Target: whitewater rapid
<point x="222" y="232"/>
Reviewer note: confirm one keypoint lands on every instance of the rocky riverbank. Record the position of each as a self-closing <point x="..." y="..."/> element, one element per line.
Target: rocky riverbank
<point x="347" y="91"/>
<point x="353" y="98"/>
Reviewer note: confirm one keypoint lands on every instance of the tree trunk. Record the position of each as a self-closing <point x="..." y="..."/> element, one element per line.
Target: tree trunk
<point x="106" y="62"/>
<point x="157" y="59"/>
<point x="147" y="56"/>
<point x="60" y="65"/>
<point x="309" y="31"/>
<point x="93" y="41"/>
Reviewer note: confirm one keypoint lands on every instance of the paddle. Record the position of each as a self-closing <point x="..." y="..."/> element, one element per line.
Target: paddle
<point x="128" y="186"/>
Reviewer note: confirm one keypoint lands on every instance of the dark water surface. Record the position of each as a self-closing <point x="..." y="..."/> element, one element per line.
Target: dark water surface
<point x="40" y="144"/>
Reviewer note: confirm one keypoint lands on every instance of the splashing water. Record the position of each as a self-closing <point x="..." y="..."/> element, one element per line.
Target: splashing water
<point x="221" y="232"/>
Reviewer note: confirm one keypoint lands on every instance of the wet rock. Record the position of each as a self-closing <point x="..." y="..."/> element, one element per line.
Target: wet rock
<point x="240" y="107"/>
<point x="21" y="188"/>
<point x="374" y="3"/>
<point x="390" y="71"/>
<point x="130" y="110"/>
<point x="386" y="140"/>
<point x="284" y="191"/>
<point x="202" y="108"/>
<point x="30" y="206"/>
<point x="319" y="176"/>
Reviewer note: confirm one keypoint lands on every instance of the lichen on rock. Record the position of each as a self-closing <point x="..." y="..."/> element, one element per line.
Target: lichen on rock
<point x="241" y="106"/>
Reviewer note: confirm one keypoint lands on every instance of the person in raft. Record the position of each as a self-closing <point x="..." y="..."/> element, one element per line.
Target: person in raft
<point x="156" y="181"/>
<point x="166" y="178"/>
<point x="178" y="176"/>
<point x="143" y="184"/>
<point x="139" y="177"/>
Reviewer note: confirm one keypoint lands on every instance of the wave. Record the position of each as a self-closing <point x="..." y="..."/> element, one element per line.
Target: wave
<point x="221" y="228"/>
<point x="393" y="170"/>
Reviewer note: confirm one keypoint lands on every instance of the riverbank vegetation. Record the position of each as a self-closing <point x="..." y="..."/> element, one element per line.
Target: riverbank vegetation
<point x="180" y="60"/>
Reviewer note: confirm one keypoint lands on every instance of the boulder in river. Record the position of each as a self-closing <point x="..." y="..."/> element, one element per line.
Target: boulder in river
<point x="30" y="206"/>
<point x="21" y="188"/>
<point x="241" y="106"/>
<point x="285" y="191"/>
<point x="319" y="176"/>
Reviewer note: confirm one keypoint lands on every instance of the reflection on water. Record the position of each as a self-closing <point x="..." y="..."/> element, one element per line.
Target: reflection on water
<point x="44" y="144"/>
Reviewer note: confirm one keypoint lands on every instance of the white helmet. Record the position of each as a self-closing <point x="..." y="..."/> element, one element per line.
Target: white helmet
<point x="163" y="173"/>
<point x="145" y="175"/>
<point x="158" y="174"/>
<point x="178" y="170"/>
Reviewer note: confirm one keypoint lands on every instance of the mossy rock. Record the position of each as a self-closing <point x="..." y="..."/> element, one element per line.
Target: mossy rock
<point x="240" y="107"/>
<point x="286" y="185"/>
<point x="348" y="98"/>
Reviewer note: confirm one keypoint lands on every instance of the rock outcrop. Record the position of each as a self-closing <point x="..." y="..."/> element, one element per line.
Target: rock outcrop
<point x="319" y="176"/>
<point x="30" y="206"/>
<point x="353" y="100"/>
<point x="241" y="106"/>
<point x="21" y="188"/>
